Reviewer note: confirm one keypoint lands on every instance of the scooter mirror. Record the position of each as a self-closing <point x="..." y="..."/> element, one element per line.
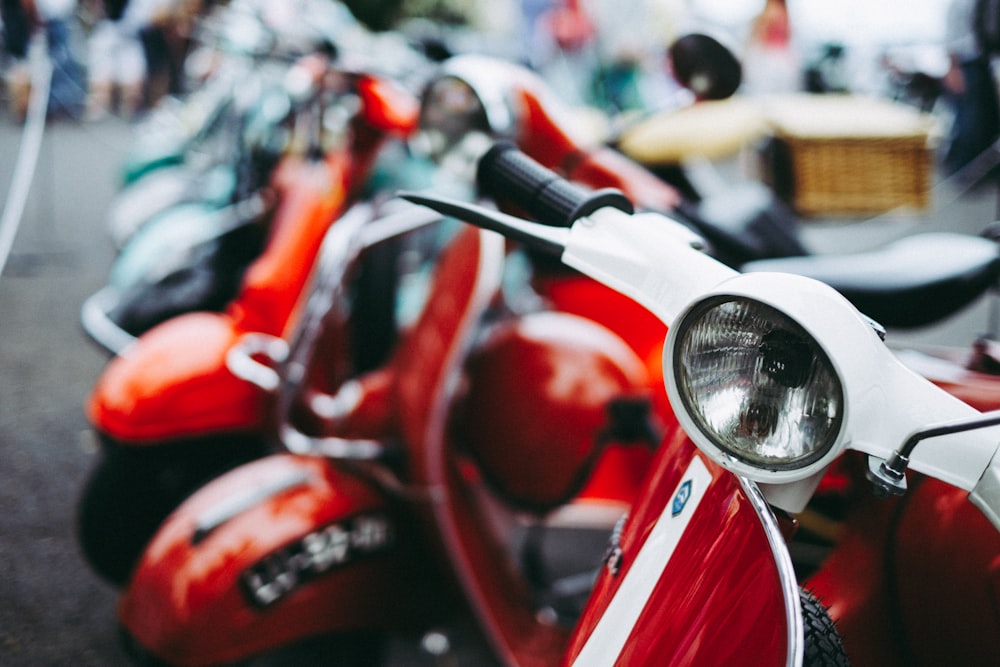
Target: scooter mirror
<point x="705" y="66"/>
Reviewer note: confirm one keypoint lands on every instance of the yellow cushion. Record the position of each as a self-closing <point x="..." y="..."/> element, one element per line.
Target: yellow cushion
<point x="710" y="129"/>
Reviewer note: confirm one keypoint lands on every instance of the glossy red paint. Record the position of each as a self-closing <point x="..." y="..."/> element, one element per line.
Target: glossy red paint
<point x="915" y="580"/>
<point x="387" y="106"/>
<point x="643" y="331"/>
<point x="948" y="578"/>
<point x="429" y="367"/>
<point x="545" y="135"/>
<point x="154" y="393"/>
<point x="852" y="584"/>
<point x="604" y="167"/>
<point x="173" y="383"/>
<point x="534" y="433"/>
<point x="272" y="285"/>
<point x="719" y="600"/>
<point x="187" y="602"/>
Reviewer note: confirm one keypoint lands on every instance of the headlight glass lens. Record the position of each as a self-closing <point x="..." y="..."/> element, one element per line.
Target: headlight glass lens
<point x="757" y="384"/>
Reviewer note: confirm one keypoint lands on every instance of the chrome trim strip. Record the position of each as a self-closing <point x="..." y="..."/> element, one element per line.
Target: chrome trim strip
<point x="101" y="328"/>
<point x="786" y="572"/>
<point x="231" y="507"/>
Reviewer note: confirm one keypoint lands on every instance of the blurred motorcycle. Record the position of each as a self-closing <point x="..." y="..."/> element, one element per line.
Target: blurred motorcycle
<point x="167" y="411"/>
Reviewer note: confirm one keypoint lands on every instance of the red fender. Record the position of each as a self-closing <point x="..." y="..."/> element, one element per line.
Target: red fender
<point x="273" y="552"/>
<point x="174" y="383"/>
<point x="719" y="599"/>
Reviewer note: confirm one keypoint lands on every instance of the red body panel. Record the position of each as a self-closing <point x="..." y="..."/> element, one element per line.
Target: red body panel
<point x="546" y="138"/>
<point x="719" y="600"/>
<point x="387" y="106"/>
<point x="187" y="602"/>
<point x="915" y="580"/>
<point x="551" y="411"/>
<point x="634" y="324"/>
<point x="174" y="384"/>
<point x="948" y="578"/>
<point x="429" y="366"/>
<point x="273" y="283"/>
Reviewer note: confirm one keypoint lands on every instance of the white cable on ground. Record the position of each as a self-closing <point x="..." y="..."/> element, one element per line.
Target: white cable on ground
<point x="31" y="142"/>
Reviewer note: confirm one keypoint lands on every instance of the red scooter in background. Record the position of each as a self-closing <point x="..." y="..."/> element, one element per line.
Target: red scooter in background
<point x="168" y="413"/>
<point x="171" y="416"/>
<point x="397" y="505"/>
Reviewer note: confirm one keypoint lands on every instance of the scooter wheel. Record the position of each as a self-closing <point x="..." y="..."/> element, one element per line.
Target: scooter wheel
<point x="131" y="490"/>
<point x="823" y="645"/>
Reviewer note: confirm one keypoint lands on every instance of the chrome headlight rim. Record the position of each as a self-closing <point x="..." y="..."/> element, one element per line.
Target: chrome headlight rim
<point x="450" y="109"/>
<point x="688" y="413"/>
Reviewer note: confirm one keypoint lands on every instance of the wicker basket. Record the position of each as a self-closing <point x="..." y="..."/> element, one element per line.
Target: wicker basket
<point x="847" y="155"/>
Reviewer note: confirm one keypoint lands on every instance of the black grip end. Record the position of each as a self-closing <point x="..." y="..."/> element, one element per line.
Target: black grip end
<point x="505" y="172"/>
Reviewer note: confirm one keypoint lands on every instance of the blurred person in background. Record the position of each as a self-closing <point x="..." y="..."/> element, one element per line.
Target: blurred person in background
<point x="131" y="38"/>
<point x="561" y="47"/>
<point x="24" y="23"/>
<point x="165" y="35"/>
<point x="19" y="19"/>
<point x="116" y="62"/>
<point x="771" y="63"/>
<point x="970" y="87"/>
<point x="58" y="19"/>
<point x="608" y="53"/>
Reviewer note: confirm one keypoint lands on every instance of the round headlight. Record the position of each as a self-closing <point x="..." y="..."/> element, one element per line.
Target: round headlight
<point x="756" y="384"/>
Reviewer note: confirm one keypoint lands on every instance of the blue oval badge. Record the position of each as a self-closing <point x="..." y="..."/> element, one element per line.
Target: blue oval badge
<point x="681" y="498"/>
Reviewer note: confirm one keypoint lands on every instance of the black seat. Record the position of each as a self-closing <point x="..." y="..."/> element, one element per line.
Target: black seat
<point x="909" y="283"/>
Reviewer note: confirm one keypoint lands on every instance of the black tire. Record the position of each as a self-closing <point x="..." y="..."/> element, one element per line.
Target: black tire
<point x="131" y="490"/>
<point x="823" y="645"/>
<point x="353" y="649"/>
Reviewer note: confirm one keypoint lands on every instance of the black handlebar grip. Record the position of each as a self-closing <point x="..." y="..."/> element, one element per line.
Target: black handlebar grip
<point x="504" y="172"/>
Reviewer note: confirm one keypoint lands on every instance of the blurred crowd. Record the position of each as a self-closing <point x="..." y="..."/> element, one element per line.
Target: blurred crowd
<point x="107" y="55"/>
<point x="123" y="56"/>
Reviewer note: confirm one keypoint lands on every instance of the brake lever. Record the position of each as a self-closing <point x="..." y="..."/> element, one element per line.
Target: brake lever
<point x="551" y="240"/>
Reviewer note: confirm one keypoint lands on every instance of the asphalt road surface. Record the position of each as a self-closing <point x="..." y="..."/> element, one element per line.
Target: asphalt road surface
<point x="53" y="610"/>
